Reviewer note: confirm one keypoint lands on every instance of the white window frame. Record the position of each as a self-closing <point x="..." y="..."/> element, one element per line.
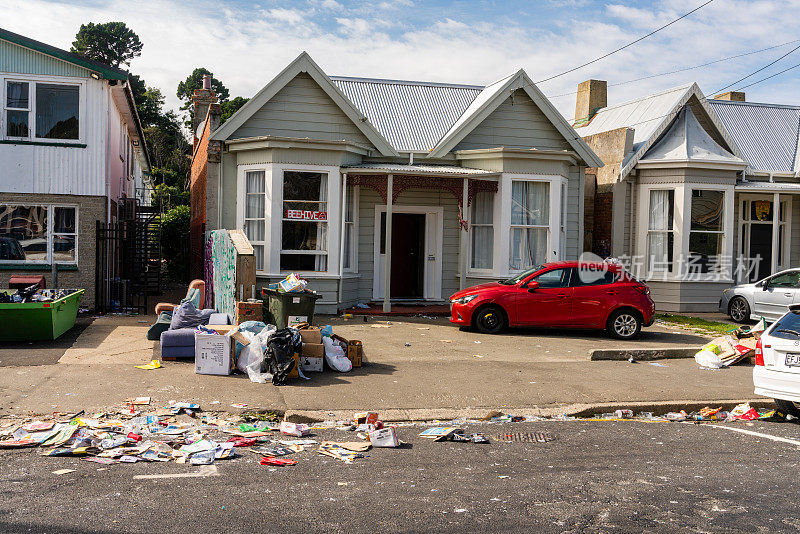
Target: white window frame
<point x="564" y="199"/>
<point x="744" y="223"/>
<point x="553" y="245"/>
<point x="33" y="81"/>
<point x="6" y="109"/>
<point x="321" y="203"/>
<point x="353" y="225"/>
<point x="672" y="231"/>
<point x="681" y="225"/>
<point x="245" y="218"/>
<point x="51" y="211"/>
<point x="471" y="269"/>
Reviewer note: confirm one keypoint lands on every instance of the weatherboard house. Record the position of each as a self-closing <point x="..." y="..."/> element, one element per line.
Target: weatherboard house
<point x="387" y="190"/>
<point x="696" y="193"/>
<point x="71" y="152"/>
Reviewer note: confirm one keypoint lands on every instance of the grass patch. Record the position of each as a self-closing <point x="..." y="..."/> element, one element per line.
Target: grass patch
<point x="686" y="321"/>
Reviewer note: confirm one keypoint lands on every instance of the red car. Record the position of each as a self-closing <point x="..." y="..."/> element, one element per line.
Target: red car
<point x="567" y="294"/>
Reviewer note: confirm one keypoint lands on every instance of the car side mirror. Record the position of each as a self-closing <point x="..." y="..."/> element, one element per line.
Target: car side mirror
<point x="533" y="285"/>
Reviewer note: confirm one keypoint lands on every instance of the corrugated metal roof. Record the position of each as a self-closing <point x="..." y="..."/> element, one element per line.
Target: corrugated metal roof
<point x="419" y="169"/>
<point x="766" y="134"/>
<point x="412" y="116"/>
<point x="768" y="187"/>
<point x="644" y="115"/>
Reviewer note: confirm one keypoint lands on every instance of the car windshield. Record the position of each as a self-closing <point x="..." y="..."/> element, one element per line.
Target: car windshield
<point x="521" y="276"/>
<point x="788" y="326"/>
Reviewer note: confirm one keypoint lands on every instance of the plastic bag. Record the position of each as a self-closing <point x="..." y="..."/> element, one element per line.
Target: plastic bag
<point x="187" y="316"/>
<point x="707" y="358"/>
<point x="251" y="357"/>
<point x="334" y="356"/>
<point x="281" y="346"/>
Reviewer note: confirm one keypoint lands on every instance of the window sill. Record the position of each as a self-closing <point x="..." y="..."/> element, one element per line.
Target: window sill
<point x="44" y="267"/>
<point x="42" y="143"/>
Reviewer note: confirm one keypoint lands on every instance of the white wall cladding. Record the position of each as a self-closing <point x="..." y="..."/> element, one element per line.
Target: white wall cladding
<point x="18" y="59"/>
<point x="62" y="169"/>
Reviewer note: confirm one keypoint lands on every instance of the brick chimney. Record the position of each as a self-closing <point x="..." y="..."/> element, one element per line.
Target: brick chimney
<point x="201" y="100"/>
<point x="733" y="96"/>
<point x="592" y="96"/>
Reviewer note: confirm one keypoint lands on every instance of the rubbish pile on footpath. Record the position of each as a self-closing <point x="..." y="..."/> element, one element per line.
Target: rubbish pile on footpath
<point x="182" y="433"/>
<point x="33" y="293"/>
<point x="733" y="347"/>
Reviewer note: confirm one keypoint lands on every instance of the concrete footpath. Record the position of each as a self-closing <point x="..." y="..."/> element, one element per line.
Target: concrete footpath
<point x="443" y="372"/>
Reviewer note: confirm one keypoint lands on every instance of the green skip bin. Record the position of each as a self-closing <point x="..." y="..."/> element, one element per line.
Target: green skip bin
<point x="33" y="321"/>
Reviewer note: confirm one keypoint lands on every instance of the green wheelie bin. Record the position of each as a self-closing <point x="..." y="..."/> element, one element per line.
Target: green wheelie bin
<point x="287" y="309"/>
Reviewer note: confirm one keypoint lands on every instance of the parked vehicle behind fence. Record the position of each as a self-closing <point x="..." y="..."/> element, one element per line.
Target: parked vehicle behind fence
<point x="769" y="298"/>
<point x="777" y="370"/>
<point x="567" y="294"/>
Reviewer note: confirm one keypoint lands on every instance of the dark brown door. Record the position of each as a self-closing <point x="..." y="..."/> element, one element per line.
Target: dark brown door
<point x="408" y="255"/>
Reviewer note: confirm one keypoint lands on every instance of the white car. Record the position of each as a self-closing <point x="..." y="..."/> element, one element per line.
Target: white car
<point x="777" y="370"/>
<point x="769" y="298"/>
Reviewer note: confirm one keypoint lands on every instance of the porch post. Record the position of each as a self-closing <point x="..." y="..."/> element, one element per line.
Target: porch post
<point x="776" y="212"/>
<point x="387" y="266"/>
<point x="462" y="282"/>
<point x="342" y="211"/>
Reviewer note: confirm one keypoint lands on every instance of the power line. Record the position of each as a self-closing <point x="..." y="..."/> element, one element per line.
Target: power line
<point x="757" y="71"/>
<point x="686" y="68"/>
<point x="768" y="77"/>
<point x="625" y="46"/>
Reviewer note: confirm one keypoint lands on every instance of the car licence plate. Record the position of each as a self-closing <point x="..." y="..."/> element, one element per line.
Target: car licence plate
<point x="793" y="360"/>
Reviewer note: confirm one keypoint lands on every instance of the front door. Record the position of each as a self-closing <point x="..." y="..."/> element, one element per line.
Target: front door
<point x="548" y="305"/>
<point x="408" y="255"/>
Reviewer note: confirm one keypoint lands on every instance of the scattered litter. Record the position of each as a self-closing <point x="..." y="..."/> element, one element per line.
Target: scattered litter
<point x="239" y="405"/>
<point x="478" y="342"/>
<point x="439" y="433"/>
<point x="154" y="364"/>
<point x="656" y="364"/>
<point x="446" y="340"/>
<point x="63" y="471"/>
<point x="269" y="460"/>
<point x="502" y="476"/>
<point x="477" y="355"/>
<point x="141" y="401"/>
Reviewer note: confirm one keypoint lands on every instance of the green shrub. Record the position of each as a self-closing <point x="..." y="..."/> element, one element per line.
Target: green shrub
<point x="175" y="242"/>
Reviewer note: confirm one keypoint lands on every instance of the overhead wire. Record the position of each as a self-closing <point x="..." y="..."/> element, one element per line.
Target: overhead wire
<point x="686" y="68"/>
<point x="757" y="71"/>
<point x="595" y="60"/>
<point x="768" y="77"/>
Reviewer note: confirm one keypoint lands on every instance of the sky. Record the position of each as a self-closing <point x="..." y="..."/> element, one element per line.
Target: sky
<point x="246" y="43"/>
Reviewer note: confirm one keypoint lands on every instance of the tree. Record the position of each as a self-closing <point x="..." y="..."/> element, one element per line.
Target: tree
<point x="195" y="81"/>
<point x="229" y="107"/>
<point x="112" y="43"/>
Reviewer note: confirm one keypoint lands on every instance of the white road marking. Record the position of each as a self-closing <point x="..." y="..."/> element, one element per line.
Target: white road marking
<point x="757" y="434"/>
<point x="205" y="471"/>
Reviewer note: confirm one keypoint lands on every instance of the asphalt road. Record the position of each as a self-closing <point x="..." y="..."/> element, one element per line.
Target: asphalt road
<point x="593" y="477"/>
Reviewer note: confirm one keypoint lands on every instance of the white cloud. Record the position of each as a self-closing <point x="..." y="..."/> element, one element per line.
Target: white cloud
<point x="245" y="48"/>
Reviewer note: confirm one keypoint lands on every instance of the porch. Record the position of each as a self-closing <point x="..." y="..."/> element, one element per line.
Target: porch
<point x="424" y="214"/>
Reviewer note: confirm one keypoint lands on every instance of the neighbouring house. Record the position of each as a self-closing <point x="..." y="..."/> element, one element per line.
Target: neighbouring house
<point x="696" y="193"/>
<point x="71" y="153"/>
<point x="390" y="190"/>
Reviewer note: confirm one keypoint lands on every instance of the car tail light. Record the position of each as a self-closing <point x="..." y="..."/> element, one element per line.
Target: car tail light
<point x="759" y="352"/>
<point x="641" y="288"/>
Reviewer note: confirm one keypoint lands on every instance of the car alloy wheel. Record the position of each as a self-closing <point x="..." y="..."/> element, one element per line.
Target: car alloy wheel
<point x="625" y="325"/>
<point x="739" y="309"/>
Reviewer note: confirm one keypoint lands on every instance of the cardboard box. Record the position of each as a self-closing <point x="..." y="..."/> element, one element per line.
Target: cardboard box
<point x="249" y="311"/>
<point x="213" y="354"/>
<point x="312" y="357"/>
<point x="222" y="328"/>
<point x="385" y="437"/>
<point x="365" y="418"/>
<point x="312" y="334"/>
<point x="354" y="350"/>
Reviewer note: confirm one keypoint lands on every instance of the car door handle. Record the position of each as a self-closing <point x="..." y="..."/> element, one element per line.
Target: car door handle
<point x="562" y="296"/>
<point x="787" y="294"/>
<point x="611" y="292"/>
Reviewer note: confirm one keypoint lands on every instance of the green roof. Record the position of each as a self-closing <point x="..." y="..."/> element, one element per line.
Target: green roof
<point x="105" y="71"/>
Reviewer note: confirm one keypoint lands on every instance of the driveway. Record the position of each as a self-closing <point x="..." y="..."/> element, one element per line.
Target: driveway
<point x="443" y="371"/>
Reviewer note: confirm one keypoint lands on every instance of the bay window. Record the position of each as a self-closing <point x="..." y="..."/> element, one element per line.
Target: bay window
<point x="482" y="227"/>
<point x="38" y="233"/>
<point x="661" y="231"/>
<point x="304" y="230"/>
<point x="706" y="231"/>
<point x="530" y="224"/>
<point x="254" y="223"/>
<point x="41" y="110"/>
